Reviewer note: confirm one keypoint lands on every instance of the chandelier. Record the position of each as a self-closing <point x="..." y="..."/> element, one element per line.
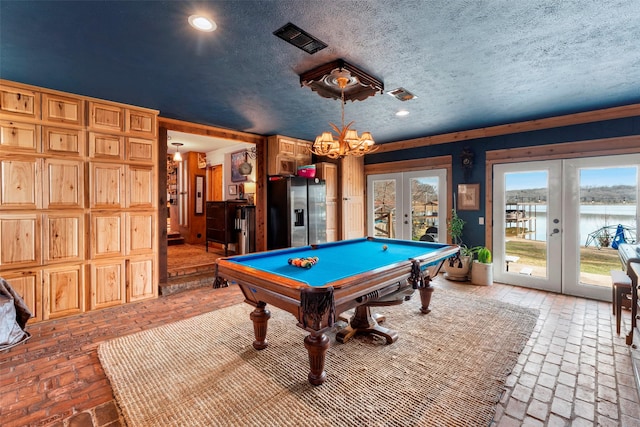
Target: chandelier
<point x="346" y="141"/>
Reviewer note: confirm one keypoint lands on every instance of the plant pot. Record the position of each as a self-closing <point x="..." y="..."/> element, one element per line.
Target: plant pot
<point x="458" y="270"/>
<point x="481" y="274"/>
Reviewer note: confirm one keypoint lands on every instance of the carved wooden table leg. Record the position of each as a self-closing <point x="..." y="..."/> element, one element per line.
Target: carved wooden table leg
<point x="421" y="281"/>
<point x="317" y="346"/>
<point x="425" y="298"/>
<point x="260" y="316"/>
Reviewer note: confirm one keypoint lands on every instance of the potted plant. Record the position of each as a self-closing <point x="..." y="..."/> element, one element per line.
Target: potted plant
<point x="482" y="269"/>
<point x="457" y="267"/>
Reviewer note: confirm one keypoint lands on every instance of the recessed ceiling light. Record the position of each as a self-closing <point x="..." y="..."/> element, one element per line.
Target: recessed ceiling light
<point x="202" y="23"/>
<point x="402" y="113"/>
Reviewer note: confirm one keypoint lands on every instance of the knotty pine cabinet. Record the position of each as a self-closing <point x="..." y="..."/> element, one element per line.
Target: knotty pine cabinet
<point x="19" y="137"/>
<point x="20" y="186"/>
<point x="63" y="181"/>
<point x="67" y="142"/>
<point x="285" y="155"/>
<point x="63" y="290"/>
<point x="351" y="191"/>
<point x="142" y="278"/>
<point x="28" y="284"/>
<point x="78" y="205"/>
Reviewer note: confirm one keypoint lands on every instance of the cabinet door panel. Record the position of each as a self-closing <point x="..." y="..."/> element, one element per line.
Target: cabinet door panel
<point x="57" y="108"/>
<point x="105" y="116"/>
<point x="140" y="232"/>
<point x="329" y="172"/>
<point x="20" y="183"/>
<point x="63" y="237"/>
<point x="286" y="147"/>
<point x="140" y="150"/>
<point x="18" y="136"/>
<point x="20" y="102"/>
<point x="28" y="285"/>
<point x="142" y="122"/>
<point x="285" y="165"/>
<point x="107" y="185"/>
<point x="103" y="146"/>
<point x="107" y="283"/>
<point x="63" y="184"/>
<point x="107" y="232"/>
<point x="352" y="190"/>
<point x="63" y="141"/>
<point x="332" y="221"/>
<point x="303" y="150"/>
<point x="140" y="192"/>
<point x="19" y="240"/>
<point x="140" y="279"/>
<point x="63" y="291"/>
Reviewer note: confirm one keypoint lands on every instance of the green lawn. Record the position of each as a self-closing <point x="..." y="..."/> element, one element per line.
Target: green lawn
<point x="592" y="260"/>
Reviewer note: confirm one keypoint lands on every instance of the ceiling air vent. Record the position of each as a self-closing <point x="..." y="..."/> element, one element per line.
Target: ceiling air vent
<point x="299" y="38"/>
<point x="402" y="94"/>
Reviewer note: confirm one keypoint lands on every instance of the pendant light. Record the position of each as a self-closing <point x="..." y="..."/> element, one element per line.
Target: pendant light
<point x="177" y="157"/>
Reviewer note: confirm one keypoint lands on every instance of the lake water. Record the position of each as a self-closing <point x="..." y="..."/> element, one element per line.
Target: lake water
<point x="592" y="218"/>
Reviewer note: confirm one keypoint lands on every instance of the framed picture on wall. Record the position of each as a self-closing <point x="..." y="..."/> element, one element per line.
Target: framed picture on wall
<point x="237" y="159"/>
<point x="199" y="196"/>
<point x="233" y="190"/>
<point x="468" y="197"/>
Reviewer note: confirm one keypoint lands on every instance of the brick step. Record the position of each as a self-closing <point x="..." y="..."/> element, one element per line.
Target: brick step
<point x="186" y="282"/>
<point x="192" y="270"/>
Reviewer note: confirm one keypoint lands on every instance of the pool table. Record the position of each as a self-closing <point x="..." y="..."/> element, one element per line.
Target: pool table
<point x="349" y="274"/>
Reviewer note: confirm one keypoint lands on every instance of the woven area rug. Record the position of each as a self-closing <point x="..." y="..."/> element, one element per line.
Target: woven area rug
<point x="448" y="368"/>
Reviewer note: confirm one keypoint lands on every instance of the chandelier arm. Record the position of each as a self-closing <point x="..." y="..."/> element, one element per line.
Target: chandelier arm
<point x="336" y="128"/>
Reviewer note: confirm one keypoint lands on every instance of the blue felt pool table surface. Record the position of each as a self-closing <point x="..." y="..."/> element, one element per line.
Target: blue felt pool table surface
<point x="340" y="260"/>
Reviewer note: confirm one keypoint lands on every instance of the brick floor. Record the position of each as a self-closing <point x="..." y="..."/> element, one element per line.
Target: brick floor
<point x="574" y="370"/>
<point x="55" y="378"/>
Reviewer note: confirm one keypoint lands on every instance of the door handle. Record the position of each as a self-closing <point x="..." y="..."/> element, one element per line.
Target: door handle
<point x="555" y="231"/>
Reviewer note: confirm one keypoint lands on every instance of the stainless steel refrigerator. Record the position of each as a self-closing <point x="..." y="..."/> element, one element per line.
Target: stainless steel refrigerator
<point x="296" y="212"/>
<point x="245" y="224"/>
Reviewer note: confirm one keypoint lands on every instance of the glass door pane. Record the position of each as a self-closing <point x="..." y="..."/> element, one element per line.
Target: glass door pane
<point x="607" y="218"/>
<point x="604" y="208"/>
<point x="425" y="204"/>
<point x="384" y="194"/>
<point x="526" y="195"/>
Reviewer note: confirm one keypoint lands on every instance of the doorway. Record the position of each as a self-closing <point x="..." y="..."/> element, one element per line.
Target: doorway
<point x="557" y="222"/>
<point x="408" y="205"/>
<point x="209" y="135"/>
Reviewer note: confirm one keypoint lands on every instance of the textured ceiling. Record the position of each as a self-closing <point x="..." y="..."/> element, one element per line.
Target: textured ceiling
<point x="471" y="63"/>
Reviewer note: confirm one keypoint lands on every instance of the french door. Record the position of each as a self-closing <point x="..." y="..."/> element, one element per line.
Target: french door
<point x="521" y="193"/>
<point x="408" y="205"/>
<point x="556" y="223"/>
